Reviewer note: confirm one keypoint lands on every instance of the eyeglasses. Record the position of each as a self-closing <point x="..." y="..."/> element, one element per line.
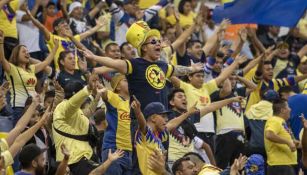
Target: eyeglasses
<point x="153" y="42"/>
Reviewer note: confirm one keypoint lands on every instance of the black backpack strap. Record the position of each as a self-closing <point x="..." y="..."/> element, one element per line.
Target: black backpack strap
<point x="76" y="137"/>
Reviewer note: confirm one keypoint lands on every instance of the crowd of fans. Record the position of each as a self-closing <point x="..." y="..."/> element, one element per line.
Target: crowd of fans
<point x="150" y="87"/>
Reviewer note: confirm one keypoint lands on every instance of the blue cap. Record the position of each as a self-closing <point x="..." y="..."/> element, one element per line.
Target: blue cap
<point x="155" y="108"/>
<point x="255" y="165"/>
<point x="270" y="95"/>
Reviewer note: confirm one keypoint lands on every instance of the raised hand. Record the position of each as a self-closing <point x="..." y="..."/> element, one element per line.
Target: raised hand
<point x="224" y="24"/>
<point x="65" y="151"/>
<point x="101" y="23"/>
<point x="46" y="117"/>
<point x="136" y="105"/>
<point x="241" y="59"/>
<point x="238" y="164"/>
<point x="57" y="86"/>
<point x="116" y="155"/>
<point x="92" y="82"/>
<point x="304" y="121"/>
<point x="192" y="109"/>
<point x="88" y="54"/>
<point x="5" y="87"/>
<point x="197" y="67"/>
<point x="186" y="141"/>
<point x="156" y="162"/>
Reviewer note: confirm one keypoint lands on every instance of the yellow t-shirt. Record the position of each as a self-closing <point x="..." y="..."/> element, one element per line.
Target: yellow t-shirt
<point x="64" y="45"/>
<point x="202" y="97"/>
<point x="69" y="118"/>
<point x="145" y="144"/>
<point x="279" y="154"/>
<point x="144" y="4"/>
<point x="209" y="170"/>
<point x="118" y="118"/>
<point x="302" y="83"/>
<point x="28" y="80"/>
<point x="187" y="20"/>
<point x="8" y="19"/>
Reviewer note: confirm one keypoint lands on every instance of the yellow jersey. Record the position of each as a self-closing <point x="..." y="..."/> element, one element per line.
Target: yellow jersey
<point x="8" y="19"/>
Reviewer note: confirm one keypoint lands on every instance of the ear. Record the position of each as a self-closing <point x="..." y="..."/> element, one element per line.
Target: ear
<point x="62" y="61"/>
<point x="34" y="163"/>
<point x="172" y="102"/>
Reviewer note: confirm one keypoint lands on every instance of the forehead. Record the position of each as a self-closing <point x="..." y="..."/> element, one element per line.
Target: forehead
<point x="187" y="163"/>
<point x="179" y="94"/>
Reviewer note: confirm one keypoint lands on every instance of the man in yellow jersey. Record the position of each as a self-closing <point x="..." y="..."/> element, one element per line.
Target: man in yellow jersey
<point x="117" y="134"/>
<point x="264" y="80"/>
<point x="279" y="144"/>
<point x="198" y="91"/>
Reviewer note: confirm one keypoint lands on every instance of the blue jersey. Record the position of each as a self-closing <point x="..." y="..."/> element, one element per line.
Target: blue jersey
<point x="147" y="80"/>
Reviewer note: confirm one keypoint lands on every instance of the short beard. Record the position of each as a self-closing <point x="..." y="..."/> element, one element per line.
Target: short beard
<point x="40" y="171"/>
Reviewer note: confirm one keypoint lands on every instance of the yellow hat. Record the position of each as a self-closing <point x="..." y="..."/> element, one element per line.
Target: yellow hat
<point x="304" y="59"/>
<point x="116" y="79"/>
<point x="138" y="32"/>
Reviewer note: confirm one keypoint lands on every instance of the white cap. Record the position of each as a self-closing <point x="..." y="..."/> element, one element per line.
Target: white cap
<point x="74" y="5"/>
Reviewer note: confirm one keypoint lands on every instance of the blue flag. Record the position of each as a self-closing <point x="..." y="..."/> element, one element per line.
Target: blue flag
<point x="268" y="12"/>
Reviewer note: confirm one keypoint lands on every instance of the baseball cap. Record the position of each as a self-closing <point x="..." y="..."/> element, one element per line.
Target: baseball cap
<point x="29" y="153"/>
<point x="155" y="108"/>
<point x="254" y="165"/>
<point x="74" y="5"/>
<point x="270" y="95"/>
<point x="116" y="79"/>
<point x="138" y="32"/>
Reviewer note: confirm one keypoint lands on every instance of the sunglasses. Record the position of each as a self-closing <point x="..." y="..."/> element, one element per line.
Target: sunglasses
<point x="153" y="42"/>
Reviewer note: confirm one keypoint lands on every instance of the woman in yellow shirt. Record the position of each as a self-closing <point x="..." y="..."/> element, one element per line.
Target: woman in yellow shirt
<point x="186" y="13"/>
<point x="21" y="75"/>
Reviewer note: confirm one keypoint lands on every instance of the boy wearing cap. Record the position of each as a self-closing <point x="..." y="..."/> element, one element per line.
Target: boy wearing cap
<point x="117" y="134"/>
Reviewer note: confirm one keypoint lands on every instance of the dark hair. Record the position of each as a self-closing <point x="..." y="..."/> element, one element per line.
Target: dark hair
<point x="181" y="5"/>
<point x="191" y="43"/>
<point x="195" y="155"/>
<point x="121" y="47"/>
<point x="171" y="95"/>
<point x="220" y="54"/>
<point x="62" y="56"/>
<point x="15" y="56"/>
<point x="99" y="116"/>
<point x="267" y="62"/>
<point x="285" y="89"/>
<point x="177" y="166"/>
<point x="49" y="94"/>
<point x="71" y="88"/>
<point x="57" y="22"/>
<point x="108" y="46"/>
<point x="278" y="105"/>
<point x="50" y="3"/>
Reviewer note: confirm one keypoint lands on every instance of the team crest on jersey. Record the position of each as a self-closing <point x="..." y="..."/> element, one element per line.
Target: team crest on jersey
<point x="155" y="76"/>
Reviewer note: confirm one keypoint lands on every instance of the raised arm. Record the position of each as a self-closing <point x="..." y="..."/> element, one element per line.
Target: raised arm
<point x="230" y="69"/>
<point x="211" y="42"/>
<point x="5" y="64"/>
<point x="23" y="138"/>
<point x="95" y="10"/>
<point x="153" y="10"/>
<point x="243" y="37"/>
<point x="3" y="2"/>
<point x="93" y="30"/>
<point x="248" y="84"/>
<point x="33" y="11"/>
<point x="23" y="121"/>
<point x="39" y="25"/>
<point x="116" y="12"/>
<point x="119" y="65"/>
<point x="217" y="105"/>
<point x="111" y="158"/>
<point x="42" y="65"/>
<point x="300" y="78"/>
<point x="62" y="168"/>
<point x="136" y="106"/>
<point x="183" y="70"/>
<point x="174" y="123"/>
